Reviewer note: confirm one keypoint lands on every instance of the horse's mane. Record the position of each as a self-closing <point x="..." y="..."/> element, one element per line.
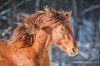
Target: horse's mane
<point x="22" y="33"/>
<point x="34" y="19"/>
<point x="37" y="21"/>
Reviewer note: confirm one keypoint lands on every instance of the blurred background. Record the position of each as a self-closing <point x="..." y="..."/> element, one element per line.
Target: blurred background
<point x="85" y="20"/>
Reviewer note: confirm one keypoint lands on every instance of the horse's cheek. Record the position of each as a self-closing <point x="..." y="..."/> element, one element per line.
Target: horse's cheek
<point x="55" y="37"/>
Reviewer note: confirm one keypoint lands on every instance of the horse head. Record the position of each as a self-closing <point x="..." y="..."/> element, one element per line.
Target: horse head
<point x="61" y="32"/>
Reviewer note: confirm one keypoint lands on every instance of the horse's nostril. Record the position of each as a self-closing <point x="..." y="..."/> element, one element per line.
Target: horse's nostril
<point x="73" y="49"/>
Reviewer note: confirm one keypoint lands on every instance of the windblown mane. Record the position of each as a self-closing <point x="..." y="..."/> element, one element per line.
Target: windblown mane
<point x="34" y="20"/>
<point x="22" y="33"/>
<point x="37" y="20"/>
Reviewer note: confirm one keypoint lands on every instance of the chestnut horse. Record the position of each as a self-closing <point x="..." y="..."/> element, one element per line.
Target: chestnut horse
<point x="30" y="43"/>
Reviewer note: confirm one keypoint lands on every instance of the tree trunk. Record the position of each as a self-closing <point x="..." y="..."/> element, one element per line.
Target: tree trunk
<point x="13" y="12"/>
<point x="75" y="14"/>
<point x="37" y="5"/>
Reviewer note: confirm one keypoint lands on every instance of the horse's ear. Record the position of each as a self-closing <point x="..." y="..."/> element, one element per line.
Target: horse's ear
<point x="68" y="15"/>
<point x="48" y="11"/>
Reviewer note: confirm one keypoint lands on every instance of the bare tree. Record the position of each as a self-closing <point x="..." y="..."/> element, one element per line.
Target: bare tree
<point x="37" y="5"/>
<point x="75" y="14"/>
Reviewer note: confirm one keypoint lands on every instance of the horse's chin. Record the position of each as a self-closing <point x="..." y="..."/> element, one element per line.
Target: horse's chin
<point x="72" y="54"/>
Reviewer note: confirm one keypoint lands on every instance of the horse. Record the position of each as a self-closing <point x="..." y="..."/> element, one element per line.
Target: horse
<point x="31" y="41"/>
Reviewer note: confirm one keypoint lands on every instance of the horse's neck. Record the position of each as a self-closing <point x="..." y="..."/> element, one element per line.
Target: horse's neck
<point x="42" y="45"/>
